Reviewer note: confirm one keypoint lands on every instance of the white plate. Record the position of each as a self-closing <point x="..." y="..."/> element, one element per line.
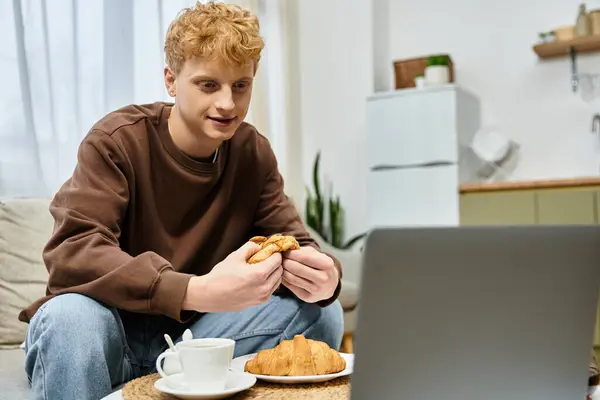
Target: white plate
<point x="238" y="365"/>
<point x="236" y="382"/>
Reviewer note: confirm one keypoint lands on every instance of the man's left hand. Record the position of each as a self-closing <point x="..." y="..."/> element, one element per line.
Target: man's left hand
<point x="309" y="274"/>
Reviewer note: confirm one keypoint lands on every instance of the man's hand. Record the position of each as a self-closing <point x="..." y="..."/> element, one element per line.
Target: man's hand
<point x="233" y="284"/>
<point x="310" y="274"/>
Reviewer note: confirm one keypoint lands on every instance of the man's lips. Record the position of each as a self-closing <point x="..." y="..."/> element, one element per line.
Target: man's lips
<point x="222" y="120"/>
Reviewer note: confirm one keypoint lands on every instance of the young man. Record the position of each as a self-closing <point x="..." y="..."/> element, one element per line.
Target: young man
<point x="152" y="229"/>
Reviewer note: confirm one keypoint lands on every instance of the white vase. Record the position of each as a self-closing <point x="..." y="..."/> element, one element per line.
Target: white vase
<point x="437" y="75"/>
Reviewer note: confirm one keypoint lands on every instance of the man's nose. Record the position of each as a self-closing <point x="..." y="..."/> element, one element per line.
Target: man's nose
<point x="225" y="100"/>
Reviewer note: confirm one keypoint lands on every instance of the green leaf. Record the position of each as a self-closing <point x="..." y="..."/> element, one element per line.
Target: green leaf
<point x="334" y="223"/>
<point x="355" y="239"/>
<point x="315" y="212"/>
<point x="319" y="203"/>
<point x="316" y="183"/>
<point x="439" y="59"/>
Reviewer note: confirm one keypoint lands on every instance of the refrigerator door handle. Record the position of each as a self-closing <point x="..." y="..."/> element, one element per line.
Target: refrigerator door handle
<point x="432" y="164"/>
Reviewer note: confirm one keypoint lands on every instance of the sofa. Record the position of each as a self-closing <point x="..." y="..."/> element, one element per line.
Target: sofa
<point x="25" y="227"/>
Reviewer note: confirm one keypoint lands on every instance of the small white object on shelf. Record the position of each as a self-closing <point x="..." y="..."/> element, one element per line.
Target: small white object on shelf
<point x="437" y="75"/>
<point x="420" y="82"/>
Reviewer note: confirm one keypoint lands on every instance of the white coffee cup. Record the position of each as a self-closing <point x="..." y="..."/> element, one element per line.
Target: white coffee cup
<point x="205" y="364"/>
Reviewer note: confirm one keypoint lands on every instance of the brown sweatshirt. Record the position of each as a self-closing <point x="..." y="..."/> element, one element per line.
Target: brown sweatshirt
<point x="138" y="218"/>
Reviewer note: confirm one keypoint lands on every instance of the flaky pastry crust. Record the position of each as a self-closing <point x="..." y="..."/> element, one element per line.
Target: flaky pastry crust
<point x="297" y="357"/>
<point x="276" y="243"/>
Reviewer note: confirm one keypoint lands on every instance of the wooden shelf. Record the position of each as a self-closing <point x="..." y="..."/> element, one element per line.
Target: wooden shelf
<point x="579" y="182"/>
<point x="586" y="44"/>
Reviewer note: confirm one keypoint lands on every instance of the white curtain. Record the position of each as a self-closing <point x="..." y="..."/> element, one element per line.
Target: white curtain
<point x="281" y="110"/>
<point x="66" y="63"/>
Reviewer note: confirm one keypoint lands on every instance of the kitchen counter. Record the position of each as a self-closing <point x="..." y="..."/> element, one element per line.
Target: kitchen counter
<point x="533" y="184"/>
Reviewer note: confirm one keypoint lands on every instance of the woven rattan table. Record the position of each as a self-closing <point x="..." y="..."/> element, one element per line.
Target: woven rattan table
<point x="337" y="389"/>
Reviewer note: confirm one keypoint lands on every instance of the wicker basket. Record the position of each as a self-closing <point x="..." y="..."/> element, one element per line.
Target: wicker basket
<point x="405" y="71"/>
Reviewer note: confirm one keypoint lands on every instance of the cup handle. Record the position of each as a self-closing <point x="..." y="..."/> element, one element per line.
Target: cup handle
<point x="162" y="373"/>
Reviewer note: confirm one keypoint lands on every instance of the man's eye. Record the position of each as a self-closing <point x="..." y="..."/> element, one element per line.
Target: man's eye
<point x="240" y="86"/>
<point x="208" y="85"/>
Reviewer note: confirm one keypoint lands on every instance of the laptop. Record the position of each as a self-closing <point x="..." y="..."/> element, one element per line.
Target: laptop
<point x="477" y="313"/>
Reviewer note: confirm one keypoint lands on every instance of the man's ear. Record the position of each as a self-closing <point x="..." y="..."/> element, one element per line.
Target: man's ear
<point x="170" y="81"/>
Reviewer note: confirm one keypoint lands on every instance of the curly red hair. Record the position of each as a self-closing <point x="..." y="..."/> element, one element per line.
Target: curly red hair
<point x="213" y="30"/>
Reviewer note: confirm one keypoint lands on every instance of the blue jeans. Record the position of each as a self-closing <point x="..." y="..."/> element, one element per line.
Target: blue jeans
<point x="78" y="348"/>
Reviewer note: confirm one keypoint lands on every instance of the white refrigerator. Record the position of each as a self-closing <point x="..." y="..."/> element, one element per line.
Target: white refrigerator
<point x="419" y="152"/>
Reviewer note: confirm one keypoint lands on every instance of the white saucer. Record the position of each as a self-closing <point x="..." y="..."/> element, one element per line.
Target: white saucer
<point x="238" y="365"/>
<point x="236" y="382"/>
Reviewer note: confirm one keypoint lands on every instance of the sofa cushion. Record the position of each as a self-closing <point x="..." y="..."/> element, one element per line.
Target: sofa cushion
<point x="25" y="227"/>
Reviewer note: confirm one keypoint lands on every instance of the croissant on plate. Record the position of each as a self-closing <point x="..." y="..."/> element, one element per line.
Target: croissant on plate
<point x="276" y="243"/>
<point x="297" y="357"/>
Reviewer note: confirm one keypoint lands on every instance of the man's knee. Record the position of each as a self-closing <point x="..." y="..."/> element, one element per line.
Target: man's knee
<point x="74" y="337"/>
<point x="71" y="320"/>
<point x="325" y="324"/>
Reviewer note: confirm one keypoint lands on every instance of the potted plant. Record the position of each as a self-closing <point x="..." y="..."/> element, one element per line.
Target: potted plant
<point x="547" y="37"/>
<point x="325" y="216"/>
<point x="437" y="71"/>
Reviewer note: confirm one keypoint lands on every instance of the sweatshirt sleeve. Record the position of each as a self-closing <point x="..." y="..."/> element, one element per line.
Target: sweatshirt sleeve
<point x="83" y="255"/>
<point x="277" y="214"/>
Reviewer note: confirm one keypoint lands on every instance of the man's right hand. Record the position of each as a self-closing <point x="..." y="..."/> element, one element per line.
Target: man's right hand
<point x="233" y="284"/>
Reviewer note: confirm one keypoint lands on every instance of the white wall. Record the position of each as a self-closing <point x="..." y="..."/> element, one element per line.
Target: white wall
<point x="335" y="67"/>
<point x="342" y="57"/>
<point x="531" y="101"/>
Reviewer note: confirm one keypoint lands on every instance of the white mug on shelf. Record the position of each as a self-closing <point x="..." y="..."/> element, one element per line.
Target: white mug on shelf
<point x="205" y="364"/>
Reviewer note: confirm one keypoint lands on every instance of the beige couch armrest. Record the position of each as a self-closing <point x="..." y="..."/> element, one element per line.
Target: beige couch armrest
<point x="25" y="227"/>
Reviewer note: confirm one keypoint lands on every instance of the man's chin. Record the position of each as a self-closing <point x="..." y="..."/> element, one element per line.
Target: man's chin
<point x="221" y="134"/>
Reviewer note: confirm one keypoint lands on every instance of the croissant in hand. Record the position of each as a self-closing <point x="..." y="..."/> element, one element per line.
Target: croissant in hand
<point x="297" y="357"/>
<point x="276" y="243"/>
